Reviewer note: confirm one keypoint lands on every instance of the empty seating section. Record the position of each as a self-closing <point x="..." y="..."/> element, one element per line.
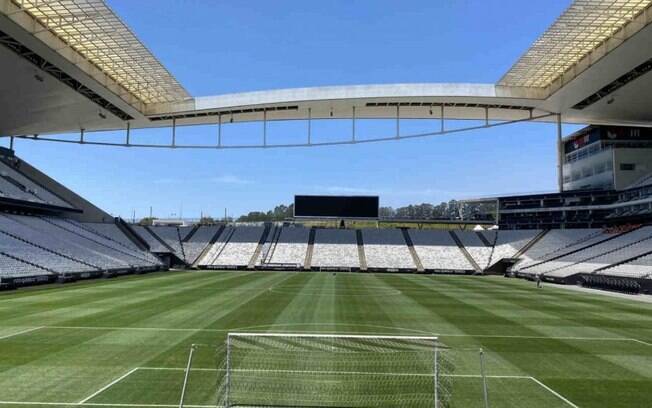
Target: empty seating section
<point x="509" y="242"/>
<point x="479" y="251"/>
<point x="386" y="248"/>
<point x="154" y="244"/>
<point x="65" y="246"/>
<point x="184" y="231"/>
<point x="10" y="267"/>
<point x="33" y="247"/>
<point x="14" y="184"/>
<point x="553" y="243"/>
<point x="110" y="231"/>
<point x="438" y="251"/>
<point x="603" y="254"/>
<point x="235" y="247"/>
<point x="291" y="246"/>
<point x="169" y="235"/>
<point x="638" y="268"/>
<point x="335" y="248"/>
<point x="198" y="242"/>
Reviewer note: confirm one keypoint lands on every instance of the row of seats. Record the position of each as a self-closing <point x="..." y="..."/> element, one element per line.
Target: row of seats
<point x="52" y="245"/>
<point x="13" y="184"/>
<point x="563" y="253"/>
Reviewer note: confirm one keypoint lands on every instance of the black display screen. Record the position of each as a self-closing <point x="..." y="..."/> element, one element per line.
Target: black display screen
<point x="336" y="206"/>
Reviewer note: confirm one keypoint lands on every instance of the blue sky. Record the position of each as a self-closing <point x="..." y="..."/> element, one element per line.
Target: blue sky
<point x="216" y="47"/>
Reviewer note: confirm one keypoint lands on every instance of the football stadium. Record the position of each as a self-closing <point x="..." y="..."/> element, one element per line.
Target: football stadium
<point x="530" y="300"/>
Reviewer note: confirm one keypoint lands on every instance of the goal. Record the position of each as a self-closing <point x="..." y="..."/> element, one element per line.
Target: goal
<point x="332" y="370"/>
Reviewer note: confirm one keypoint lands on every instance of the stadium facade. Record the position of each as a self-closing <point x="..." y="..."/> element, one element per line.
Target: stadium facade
<point x="75" y="67"/>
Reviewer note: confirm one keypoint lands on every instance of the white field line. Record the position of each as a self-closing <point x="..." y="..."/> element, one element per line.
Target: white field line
<point x="31" y="329"/>
<point x="109" y="385"/>
<point x="497" y="336"/>
<point x="325" y="372"/>
<point x="100" y="404"/>
<point x="642" y="342"/>
<point x="553" y="392"/>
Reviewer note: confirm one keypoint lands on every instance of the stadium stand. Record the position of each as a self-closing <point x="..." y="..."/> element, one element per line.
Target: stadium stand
<point x="288" y="249"/>
<point x="12" y="267"/>
<point x="235" y="247"/>
<point x="335" y="249"/>
<point x="201" y="238"/>
<point x="386" y="249"/>
<point x="44" y="245"/>
<point x="171" y="237"/>
<point x="602" y="254"/>
<point x="155" y="244"/>
<point x="553" y="243"/>
<point x="508" y="243"/>
<point x="110" y="231"/>
<point x="438" y="251"/>
<point x="14" y="184"/>
<point x="477" y="246"/>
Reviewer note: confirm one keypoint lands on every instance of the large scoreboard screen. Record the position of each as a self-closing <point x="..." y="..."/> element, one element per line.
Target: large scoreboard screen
<point x="313" y="206"/>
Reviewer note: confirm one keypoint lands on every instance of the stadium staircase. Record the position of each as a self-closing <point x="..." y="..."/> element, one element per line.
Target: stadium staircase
<point x="483" y="239"/>
<point x="361" y="255"/>
<point x="159" y="239"/>
<point x="222" y="246"/>
<point x="212" y="242"/>
<point x="530" y="244"/>
<point x="126" y="229"/>
<point x="466" y="253"/>
<point x="413" y="252"/>
<point x="190" y="234"/>
<point x="307" y="264"/>
<point x="183" y="251"/>
<point x="270" y="245"/>
<point x="261" y="243"/>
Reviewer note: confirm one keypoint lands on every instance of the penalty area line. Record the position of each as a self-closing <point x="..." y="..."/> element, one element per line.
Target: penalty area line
<point x="109" y="385"/>
<point x="100" y="404"/>
<point x="553" y="392"/>
<point x="31" y="329"/>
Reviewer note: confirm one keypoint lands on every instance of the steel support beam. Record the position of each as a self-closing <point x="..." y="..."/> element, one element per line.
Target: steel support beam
<point x="560" y="156"/>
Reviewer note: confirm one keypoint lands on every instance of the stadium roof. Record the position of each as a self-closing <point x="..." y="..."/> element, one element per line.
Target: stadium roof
<point x="69" y="65"/>
<point x="583" y="29"/>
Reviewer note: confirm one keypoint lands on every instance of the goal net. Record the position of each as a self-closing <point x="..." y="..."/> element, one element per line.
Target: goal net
<point x="317" y="370"/>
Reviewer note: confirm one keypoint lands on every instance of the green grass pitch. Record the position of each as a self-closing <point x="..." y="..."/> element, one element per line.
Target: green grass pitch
<point x="124" y="342"/>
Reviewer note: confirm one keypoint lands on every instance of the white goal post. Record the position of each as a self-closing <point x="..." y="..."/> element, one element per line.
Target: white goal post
<point x="333" y="370"/>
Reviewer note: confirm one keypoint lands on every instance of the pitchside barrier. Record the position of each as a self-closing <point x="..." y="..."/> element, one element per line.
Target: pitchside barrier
<point x="329" y="370"/>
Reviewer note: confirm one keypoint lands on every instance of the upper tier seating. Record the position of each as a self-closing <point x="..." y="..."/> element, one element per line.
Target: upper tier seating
<point x="335" y="248"/>
<point x="479" y="251"/>
<point x="291" y="247"/>
<point x="438" y="250"/>
<point x="235" y="247"/>
<point x="199" y="240"/>
<point x="13" y="184"/>
<point x="386" y="248"/>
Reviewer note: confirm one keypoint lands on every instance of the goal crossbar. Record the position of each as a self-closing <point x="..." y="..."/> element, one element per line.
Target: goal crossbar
<point x="335" y="336"/>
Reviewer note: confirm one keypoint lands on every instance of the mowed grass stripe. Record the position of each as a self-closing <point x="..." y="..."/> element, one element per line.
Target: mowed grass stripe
<point x="546" y="359"/>
<point x="53" y="365"/>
